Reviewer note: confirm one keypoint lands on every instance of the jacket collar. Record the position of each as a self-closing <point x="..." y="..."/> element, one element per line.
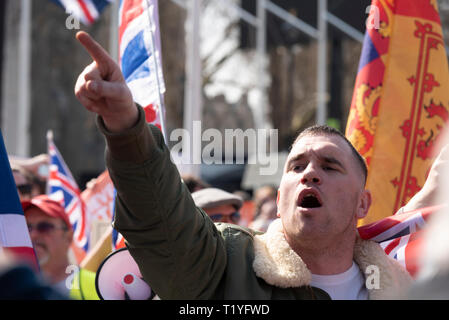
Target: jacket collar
<point x="279" y="265"/>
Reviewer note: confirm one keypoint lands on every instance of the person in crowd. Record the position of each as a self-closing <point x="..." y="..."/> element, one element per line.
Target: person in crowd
<point x="51" y="235"/>
<point x="34" y="170"/>
<point x="265" y="208"/>
<point x="311" y="252"/>
<point x="37" y="165"/>
<point x="220" y="206"/>
<point x="27" y="184"/>
<point x="18" y="281"/>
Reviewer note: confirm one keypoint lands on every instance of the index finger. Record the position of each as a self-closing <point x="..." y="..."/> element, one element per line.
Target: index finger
<point x="95" y="50"/>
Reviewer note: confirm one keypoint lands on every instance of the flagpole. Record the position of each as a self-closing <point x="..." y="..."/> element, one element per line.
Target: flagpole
<point x="49" y="141"/>
<point x="321" y="114"/>
<point x="261" y="49"/>
<point x="193" y="92"/>
<point x="113" y="31"/>
<point x="156" y="67"/>
<point x="23" y="70"/>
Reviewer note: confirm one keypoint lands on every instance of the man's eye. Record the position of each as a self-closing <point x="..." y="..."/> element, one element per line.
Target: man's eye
<point x="327" y="168"/>
<point x="297" y="168"/>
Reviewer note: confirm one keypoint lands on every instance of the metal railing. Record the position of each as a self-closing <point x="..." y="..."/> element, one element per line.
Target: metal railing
<point x="319" y="34"/>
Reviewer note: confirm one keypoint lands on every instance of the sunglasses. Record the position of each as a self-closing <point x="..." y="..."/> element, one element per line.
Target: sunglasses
<point x="25" y="188"/>
<point x="234" y="217"/>
<point x="44" y="227"/>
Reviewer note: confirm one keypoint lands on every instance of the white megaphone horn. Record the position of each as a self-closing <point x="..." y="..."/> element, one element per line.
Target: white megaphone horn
<point x="119" y="278"/>
<point x="135" y="287"/>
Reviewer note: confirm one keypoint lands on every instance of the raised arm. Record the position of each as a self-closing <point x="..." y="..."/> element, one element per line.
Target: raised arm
<point x="176" y="246"/>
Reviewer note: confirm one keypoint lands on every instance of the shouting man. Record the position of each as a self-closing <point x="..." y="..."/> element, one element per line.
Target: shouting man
<point x="311" y="252"/>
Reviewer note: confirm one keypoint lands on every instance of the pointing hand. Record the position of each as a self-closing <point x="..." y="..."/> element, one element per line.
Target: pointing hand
<point x="102" y="89"/>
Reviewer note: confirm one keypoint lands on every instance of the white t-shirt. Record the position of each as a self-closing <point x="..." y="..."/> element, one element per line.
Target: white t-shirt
<point x="349" y="285"/>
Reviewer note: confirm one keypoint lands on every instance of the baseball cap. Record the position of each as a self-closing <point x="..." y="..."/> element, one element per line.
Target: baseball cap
<point x="50" y="207"/>
<point x="214" y="197"/>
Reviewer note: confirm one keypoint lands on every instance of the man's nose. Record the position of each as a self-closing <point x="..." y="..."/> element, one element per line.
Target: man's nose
<point x="311" y="175"/>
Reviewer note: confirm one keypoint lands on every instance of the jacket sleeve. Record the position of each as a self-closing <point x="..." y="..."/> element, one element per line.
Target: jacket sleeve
<point x="177" y="247"/>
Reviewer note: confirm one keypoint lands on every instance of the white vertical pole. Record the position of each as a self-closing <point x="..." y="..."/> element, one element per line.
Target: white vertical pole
<point x="321" y="114"/>
<point x="193" y="89"/>
<point x="23" y="70"/>
<point x="261" y="48"/>
<point x="113" y="31"/>
<point x="155" y="57"/>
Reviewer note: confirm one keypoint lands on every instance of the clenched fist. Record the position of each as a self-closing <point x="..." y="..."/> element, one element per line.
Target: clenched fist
<point x="102" y="89"/>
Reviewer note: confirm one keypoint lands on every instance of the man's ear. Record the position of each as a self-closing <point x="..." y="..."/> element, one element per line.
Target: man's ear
<point x="364" y="205"/>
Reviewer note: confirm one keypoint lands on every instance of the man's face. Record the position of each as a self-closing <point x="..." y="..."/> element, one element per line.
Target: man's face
<point x="321" y="194"/>
<point x="224" y="213"/>
<point x="52" y="242"/>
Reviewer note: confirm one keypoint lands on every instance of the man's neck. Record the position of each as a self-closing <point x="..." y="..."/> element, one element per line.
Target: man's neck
<point x="56" y="273"/>
<point x="326" y="259"/>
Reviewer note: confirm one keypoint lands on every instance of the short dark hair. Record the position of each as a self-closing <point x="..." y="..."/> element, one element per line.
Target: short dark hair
<point x="320" y="130"/>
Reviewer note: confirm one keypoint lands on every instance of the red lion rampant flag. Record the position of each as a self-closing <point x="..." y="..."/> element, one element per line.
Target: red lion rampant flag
<point x="400" y="101"/>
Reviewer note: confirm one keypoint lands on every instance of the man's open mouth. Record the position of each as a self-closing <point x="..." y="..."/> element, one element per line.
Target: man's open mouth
<point x="309" y="199"/>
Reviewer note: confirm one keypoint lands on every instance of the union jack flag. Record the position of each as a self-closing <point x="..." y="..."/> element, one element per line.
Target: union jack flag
<point x="86" y="11"/>
<point x="399" y="235"/>
<point x="62" y="187"/>
<point x="14" y="235"/>
<point x="139" y="56"/>
<point x="140" y="61"/>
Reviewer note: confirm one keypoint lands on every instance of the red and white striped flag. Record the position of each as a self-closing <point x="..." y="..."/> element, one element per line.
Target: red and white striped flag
<point x="62" y="187"/>
<point x="400" y="235"/>
<point x="87" y="11"/>
<point x="140" y="62"/>
<point x="14" y="235"/>
<point x="140" y="56"/>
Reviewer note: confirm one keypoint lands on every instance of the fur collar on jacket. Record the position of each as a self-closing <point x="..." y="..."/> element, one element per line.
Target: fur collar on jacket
<point x="279" y="265"/>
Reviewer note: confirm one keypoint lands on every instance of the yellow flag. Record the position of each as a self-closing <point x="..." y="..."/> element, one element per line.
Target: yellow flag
<point x="400" y="100"/>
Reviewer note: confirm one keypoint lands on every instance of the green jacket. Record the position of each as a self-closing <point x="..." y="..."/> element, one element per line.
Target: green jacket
<point x="181" y="253"/>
